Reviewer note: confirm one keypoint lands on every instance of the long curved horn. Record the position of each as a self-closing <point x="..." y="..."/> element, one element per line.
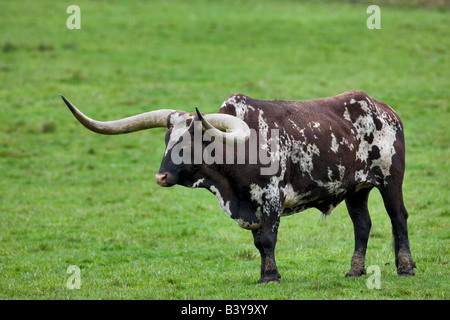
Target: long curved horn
<point x="231" y="130"/>
<point x="141" y="121"/>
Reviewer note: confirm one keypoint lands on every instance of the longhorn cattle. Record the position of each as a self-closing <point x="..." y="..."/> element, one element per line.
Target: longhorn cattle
<point x="320" y="152"/>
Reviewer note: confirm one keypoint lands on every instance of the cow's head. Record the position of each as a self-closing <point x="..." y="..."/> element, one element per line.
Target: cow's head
<point x="181" y="161"/>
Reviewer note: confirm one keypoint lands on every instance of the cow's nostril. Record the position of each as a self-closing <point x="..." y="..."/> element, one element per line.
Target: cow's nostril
<point x="161" y="178"/>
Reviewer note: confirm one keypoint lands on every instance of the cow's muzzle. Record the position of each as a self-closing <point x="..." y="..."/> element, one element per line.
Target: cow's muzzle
<point x="165" y="179"/>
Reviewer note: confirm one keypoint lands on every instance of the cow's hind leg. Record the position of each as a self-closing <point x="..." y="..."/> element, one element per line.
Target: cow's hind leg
<point x="393" y="201"/>
<point x="357" y="208"/>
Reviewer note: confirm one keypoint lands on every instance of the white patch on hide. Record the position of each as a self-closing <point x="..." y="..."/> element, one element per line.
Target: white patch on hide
<point x="383" y="139"/>
<point x="198" y="182"/>
<point x="241" y="108"/>
<point x="179" y="128"/>
<point x="224" y="205"/>
<point x="334" y="143"/>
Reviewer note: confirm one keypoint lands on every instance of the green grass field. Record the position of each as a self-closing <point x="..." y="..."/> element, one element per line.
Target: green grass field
<point x="71" y="197"/>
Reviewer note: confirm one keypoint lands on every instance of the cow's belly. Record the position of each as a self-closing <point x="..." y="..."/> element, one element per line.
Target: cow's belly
<point x="320" y="198"/>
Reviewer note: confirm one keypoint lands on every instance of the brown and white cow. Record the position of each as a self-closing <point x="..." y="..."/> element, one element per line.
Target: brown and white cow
<point x="310" y="154"/>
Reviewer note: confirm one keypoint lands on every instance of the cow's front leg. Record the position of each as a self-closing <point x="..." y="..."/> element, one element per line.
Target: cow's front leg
<point x="265" y="239"/>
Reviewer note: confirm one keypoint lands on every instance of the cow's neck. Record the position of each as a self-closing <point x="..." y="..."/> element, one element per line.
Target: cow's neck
<point x="223" y="186"/>
<point x="217" y="179"/>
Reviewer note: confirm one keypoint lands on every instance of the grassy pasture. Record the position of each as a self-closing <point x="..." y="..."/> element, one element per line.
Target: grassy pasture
<point x="71" y="197"/>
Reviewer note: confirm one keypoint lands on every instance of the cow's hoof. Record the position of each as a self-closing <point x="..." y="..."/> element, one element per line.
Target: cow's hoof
<point x="270" y="279"/>
<point x="356" y="273"/>
<point x="405" y="272"/>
